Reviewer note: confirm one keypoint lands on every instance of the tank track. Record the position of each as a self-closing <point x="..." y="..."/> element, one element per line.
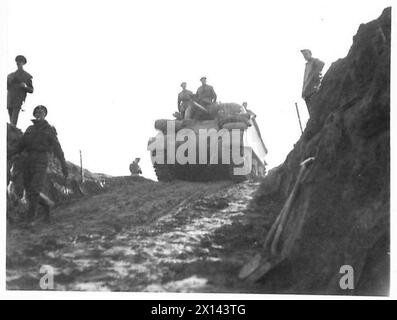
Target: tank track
<point x="167" y="173"/>
<point x="163" y="172"/>
<point x="199" y="173"/>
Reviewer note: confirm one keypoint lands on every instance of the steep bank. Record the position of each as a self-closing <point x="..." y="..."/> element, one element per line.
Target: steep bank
<point x="342" y="211"/>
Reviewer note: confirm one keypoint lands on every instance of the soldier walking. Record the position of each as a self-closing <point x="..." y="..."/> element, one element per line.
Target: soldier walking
<point x="18" y="84"/>
<point x="39" y="140"/>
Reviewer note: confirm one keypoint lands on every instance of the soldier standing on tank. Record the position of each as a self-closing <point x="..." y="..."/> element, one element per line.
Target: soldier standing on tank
<point x="205" y="94"/>
<point x="184" y="101"/>
<point x="248" y="111"/>
<point x="18" y="84"/>
<point x="312" y="78"/>
<point x="39" y="140"/>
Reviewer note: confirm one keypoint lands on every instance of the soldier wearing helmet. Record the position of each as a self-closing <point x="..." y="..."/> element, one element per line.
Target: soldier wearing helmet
<point x="39" y="141"/>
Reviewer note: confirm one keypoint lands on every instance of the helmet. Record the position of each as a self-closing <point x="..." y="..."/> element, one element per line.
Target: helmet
<point x="21" y="59"/>
<point x="38" y="108"/>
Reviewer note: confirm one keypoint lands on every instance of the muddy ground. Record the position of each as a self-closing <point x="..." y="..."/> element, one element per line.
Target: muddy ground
<point x="143" y="236"/>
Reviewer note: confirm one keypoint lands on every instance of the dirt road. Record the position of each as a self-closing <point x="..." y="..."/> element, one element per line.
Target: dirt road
<point x="141" y="236"/>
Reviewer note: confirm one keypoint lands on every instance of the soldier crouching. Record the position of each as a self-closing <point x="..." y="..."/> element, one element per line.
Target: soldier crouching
<point x="38" y="141"/>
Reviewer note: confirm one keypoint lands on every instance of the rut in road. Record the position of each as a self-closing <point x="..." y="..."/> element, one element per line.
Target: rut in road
<point x="182" y="250"/>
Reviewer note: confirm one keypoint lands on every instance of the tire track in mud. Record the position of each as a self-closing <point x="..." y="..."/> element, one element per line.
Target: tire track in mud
<point x="178" y="249"/>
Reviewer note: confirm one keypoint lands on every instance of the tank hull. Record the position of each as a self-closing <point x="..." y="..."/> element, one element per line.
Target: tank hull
<point x="202" y="151"/>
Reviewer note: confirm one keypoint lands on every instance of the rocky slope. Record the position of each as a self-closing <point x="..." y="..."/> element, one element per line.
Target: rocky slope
<point x="342" y="211"/>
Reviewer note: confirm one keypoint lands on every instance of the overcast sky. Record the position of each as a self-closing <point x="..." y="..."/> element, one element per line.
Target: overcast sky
<point x="107" y="70"/>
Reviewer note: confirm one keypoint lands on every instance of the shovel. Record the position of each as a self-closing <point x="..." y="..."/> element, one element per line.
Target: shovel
<point x="49" y="202"/>
<point x="262" y="263"/>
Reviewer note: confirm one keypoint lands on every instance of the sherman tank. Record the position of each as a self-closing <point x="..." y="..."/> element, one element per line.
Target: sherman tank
<point x="222" y="141"/>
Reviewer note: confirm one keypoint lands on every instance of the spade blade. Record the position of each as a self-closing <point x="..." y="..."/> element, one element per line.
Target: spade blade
<point x="258" y="267"/>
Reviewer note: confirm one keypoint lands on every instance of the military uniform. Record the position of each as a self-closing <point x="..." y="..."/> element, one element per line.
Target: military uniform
<point x="184" y="97"/>
<point x="39" y="140"/>
<point x="206" y="95"/>
<point x="135" y="169"/>
<point x="16" y="94"/>
<point x="311" y="81"/>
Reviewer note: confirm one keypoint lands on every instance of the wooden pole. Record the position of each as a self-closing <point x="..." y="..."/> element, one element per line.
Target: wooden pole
<point x="299" y="118"/>
<point x="81" y="167"/>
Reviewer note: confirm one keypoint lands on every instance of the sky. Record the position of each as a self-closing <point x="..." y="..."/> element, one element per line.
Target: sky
<point x="106" y="70"/>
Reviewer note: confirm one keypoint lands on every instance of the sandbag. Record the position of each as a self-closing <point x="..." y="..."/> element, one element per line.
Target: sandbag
<point x="213" y="110"/>
<point x="161" y="125"/>
<point x="229" y="109"/>
<point x="235" y="118"/>
<point x="235" y="125"/>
